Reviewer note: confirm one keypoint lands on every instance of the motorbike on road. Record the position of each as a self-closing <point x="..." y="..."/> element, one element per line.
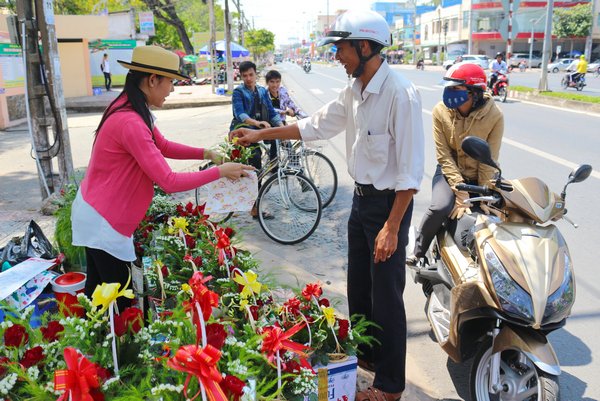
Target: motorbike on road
<point x="497" y="292"/>
<point x="578" y="83"/>
<point x="421" y="65"/>
<point x="306" y="67"/>
<point x="500" y="88"/>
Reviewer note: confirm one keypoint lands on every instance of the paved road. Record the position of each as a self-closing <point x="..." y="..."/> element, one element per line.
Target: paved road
<point x="539" y="141"/>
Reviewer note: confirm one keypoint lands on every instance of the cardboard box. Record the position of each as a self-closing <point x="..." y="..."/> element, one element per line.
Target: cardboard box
<point x="337" y="381"/>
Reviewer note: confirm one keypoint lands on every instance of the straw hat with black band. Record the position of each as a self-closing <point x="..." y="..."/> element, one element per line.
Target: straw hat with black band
<point x="154" y="60"/>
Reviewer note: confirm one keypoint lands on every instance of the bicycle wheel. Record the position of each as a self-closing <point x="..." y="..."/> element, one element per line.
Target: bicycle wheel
<point x="202" y="195"/>
<point x="289" y="208"/>
<point x="320" y="170"/>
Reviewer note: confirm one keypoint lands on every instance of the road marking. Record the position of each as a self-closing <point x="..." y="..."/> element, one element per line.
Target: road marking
<point x="545" y="155"/>
<point x="556" y="107"/>
<point x="540" y="153"/>
<point x="316" y="91"/>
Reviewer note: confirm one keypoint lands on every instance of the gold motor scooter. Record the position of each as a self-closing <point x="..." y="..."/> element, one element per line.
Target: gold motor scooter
<point x="498" y="295"/>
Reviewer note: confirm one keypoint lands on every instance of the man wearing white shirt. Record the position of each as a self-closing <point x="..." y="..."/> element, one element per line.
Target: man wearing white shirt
<point x="497" y="66"/>
<point x="381" y="113"/>
<point x="105" y="67"/>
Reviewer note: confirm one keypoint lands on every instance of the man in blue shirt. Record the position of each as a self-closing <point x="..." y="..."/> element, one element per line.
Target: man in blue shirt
<point x="252" y="108"/>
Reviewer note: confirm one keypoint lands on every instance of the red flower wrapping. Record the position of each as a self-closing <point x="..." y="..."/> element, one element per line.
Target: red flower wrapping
<point x="222" y="239"/>
<point x="200" y="363"/>
<point x="15" y="336"/>
<point x="233" y="387"/>
<point x="343" y="329"/>
<point x="32" y="357"/>
<point x="275" y="339"/>
<point x="51" y="332"/>
<point x="216" y="335"/>
<point x="312" y="290"/>
<point x="81" y="380"/>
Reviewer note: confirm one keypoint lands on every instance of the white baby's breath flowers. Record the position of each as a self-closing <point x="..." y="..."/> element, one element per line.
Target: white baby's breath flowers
<point x="166" y="387"/>
<point x="7" y="383"/>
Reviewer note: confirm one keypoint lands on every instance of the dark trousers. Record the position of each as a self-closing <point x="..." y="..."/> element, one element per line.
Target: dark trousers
<point x="102" y="267"/>
<point x="375" y="289"/>
<point x="107" y="80"/>
<point x="442" y="203"/>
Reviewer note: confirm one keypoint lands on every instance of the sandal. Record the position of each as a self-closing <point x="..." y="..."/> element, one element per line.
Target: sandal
<point x="373" y="394"/>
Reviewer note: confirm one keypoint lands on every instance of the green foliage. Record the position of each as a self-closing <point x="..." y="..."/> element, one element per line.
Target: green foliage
<point x="560" y="95"/>
<point x="260" y="41"/>
<point x="75" y="255"/>
<point x="572" y="21"/>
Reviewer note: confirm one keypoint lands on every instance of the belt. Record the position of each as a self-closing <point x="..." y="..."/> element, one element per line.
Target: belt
<point x="370" y="190"/>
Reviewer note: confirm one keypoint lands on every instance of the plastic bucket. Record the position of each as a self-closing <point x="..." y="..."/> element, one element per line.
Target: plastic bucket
<point x="66" y="287"/>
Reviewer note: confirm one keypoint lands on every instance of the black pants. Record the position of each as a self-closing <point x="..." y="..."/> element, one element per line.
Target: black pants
<point x="375" y="289"/>
<point x="102" y="267"/>
<point x="107" y="80"/>
<point x="442" y="203"/>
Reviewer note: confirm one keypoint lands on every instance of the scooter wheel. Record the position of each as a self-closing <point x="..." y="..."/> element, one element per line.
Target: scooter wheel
<point x="540" y="386"/>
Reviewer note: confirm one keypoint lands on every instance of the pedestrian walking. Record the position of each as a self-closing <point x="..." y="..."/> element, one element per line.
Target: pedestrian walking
<point x="105" y="67"/>
<point x="380" y="112"/>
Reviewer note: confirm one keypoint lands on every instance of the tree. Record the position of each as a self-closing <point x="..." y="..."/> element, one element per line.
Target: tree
<point x="573" y="22"/>
<point x="260" y="41"/>
<point x="165" y="11"/>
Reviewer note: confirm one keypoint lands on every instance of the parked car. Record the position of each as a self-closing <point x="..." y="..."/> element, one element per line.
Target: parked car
<point x="592" y="67"/>
<point x="515" y="60"/>
<point x="481" y="60"/>
<point x="560" y="64"/>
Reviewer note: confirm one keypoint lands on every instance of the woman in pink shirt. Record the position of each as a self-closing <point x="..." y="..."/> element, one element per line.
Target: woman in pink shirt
<point x="128" y="158"/>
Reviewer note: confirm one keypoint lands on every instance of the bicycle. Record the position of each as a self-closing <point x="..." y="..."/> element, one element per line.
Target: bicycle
<point x="288" y="203"/>
<point x="597" y="72"/>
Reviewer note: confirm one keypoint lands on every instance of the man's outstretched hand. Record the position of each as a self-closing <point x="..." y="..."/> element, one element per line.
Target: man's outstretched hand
<point x="244" y="136"/>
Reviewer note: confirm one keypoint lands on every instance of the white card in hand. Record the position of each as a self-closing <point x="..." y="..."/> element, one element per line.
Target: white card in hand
<point x="225" y="195"/>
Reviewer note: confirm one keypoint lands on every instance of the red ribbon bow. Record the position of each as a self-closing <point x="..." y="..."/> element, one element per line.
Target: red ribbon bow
<point x="275" y="339"/>
<point x="81" y="379"/>
<point x="202" y="296"/>
<point x="201" y="363"/>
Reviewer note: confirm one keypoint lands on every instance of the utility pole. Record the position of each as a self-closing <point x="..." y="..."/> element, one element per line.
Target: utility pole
<point x="44" y="81"/>
<point x="509" y="40"/>
<point x="212" y="45"/>
<point x="228" y="48"/>
<point x="470" y="25"/>
<point x="240" y="22"/>
<point x="547" y="52"/>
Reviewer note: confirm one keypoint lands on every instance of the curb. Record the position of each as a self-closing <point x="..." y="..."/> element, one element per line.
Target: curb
<point x="99" y="107"/>
<point x="550" y="101"/>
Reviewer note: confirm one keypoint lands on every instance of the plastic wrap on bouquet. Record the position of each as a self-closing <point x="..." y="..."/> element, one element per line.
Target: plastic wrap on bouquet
<point x="232" y="195"/>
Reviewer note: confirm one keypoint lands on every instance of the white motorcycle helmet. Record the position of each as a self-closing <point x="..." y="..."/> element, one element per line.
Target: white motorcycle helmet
<point x="359" y="25"/>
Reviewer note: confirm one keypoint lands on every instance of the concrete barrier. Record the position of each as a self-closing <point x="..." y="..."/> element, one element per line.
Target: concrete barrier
<point x="557" y="102"/>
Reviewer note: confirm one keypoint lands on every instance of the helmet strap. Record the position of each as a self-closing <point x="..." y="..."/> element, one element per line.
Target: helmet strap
<point x="363" y="59"/>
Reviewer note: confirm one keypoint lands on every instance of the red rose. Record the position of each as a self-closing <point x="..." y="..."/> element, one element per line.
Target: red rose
<point x="189" y="207"/>
<point x="292" y="367"/>
<point x="235" y="154"/>
<point x="50" y="333"/>
<point x="254" y="312"/>
<point x="233" y="387"/>
<point x="215" y="335"/>
<point x="324" y="302"/>
<point x="198" y="261"/>
<point x="230" y="232"/>
<point x="130" y="320"/>
<point x="4" y="362"/>
<point x="32" y="357"/>
<point x="343" y="329"/>
<point x="164" y="270"/>
<point x="190" y="241"/>
<point x="15" y="336"/>
<point x="312" y="290"/>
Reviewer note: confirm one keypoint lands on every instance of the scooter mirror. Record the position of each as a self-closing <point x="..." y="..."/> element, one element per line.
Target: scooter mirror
<point x="479" y="150"/>
<point x="581" y="173"/>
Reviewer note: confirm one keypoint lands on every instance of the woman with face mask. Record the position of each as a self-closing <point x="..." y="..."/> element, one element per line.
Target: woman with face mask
<point x="466" y="110"/>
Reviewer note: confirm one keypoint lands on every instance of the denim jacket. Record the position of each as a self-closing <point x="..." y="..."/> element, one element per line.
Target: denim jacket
<point x="243" y="106"/>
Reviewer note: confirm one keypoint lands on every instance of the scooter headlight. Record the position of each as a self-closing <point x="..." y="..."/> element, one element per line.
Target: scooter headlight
<point x="560" y="301"/>
<point x="514" y="300"/>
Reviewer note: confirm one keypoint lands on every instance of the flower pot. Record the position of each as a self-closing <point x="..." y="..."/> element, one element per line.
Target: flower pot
<point x="66" y="287"/>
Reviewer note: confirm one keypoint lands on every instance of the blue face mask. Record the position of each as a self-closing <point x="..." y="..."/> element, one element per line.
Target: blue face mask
<point x="454" y="98"/>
